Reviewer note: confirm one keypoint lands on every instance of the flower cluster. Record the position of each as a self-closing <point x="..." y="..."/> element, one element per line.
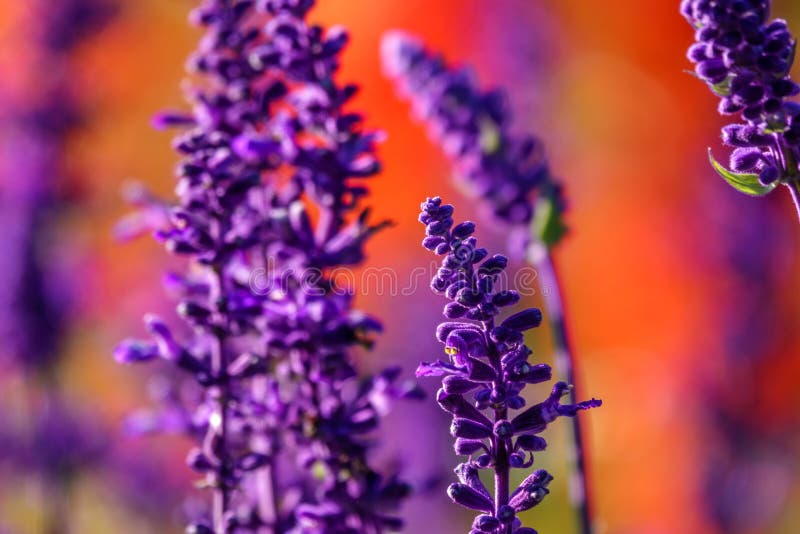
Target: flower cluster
<point x="284" y="427"/>
<point x="488" y="361"/>
<point x="509" y="172"/>
<point x="745" y="59"/>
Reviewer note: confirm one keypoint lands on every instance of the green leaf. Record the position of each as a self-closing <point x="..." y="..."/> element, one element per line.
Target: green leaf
<point x="723" y="88"/>
<point x="776" y="126"/>
<point x="548" y="224"/>
<point x="489" y="137"/>
<point x="744" y="182"/>
<point x="319" y="470"/>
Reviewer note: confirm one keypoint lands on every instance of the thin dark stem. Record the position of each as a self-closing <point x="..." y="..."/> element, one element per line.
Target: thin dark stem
<point x="56" y="493"/>
<point x="789" y="164"/>
<point x="219" y="421"/>
<point x="502" y="467"/>
<point x="56" y="477"/>
<point x="565" y="364"/>
<point x="268" y="498"/>
<point x="793" y="189"/>
<point x="265" y="477"/>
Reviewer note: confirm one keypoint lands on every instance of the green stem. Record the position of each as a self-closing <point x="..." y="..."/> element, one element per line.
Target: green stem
<point x="502" y="466"/>
<point x="795" y="191"/>
<point x="219" y="369"/>
<point x="43" y="393"/>
<point x="792" y="178"/>
<point x="564" y="358"/>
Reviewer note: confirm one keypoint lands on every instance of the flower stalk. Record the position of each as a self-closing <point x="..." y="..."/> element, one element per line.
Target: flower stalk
<point x="565" y="365"/>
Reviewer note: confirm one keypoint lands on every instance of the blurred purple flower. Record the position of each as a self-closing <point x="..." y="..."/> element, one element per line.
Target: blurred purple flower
<point x="57" y="441"/>
<point x="473" y="127"/>
<point x="35" y="298"/>
<point x="748" y="451"/>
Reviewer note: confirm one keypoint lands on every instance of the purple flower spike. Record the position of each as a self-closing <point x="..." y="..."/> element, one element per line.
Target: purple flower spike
<point x="474" y="127"/>
<point x="745" y="58"/>
<point x="282" y="424"/>
<point x="47" y="436"/>
<point x="490" y="364"/>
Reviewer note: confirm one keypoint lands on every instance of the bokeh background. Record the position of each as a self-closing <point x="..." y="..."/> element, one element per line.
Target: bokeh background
<point x="683" y="296"/>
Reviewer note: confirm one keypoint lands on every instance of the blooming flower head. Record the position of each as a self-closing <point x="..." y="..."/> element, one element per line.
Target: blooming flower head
<point x="284" y="428"/>
<point x="488" y="362"/>
<point x="745" y="58"/>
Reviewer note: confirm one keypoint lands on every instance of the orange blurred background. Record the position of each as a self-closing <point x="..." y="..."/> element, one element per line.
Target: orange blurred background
<point x="603" y="84"/>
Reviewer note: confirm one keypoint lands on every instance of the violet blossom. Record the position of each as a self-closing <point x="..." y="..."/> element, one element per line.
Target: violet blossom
<point x="284" y="427"/>
<point x="745" y="59"/>
<point x="487" y="369"/>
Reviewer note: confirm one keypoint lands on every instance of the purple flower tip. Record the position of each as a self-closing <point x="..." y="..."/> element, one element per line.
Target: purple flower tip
<point x="133" y="351"/>
<point x="171" y="119"/>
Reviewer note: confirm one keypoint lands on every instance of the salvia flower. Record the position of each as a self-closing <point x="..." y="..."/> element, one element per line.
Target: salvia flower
<point x="745" y="58"/>
<point x="508" y="171"/>
<point x="485" y="374"/>
<point x="283" y="426"/>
